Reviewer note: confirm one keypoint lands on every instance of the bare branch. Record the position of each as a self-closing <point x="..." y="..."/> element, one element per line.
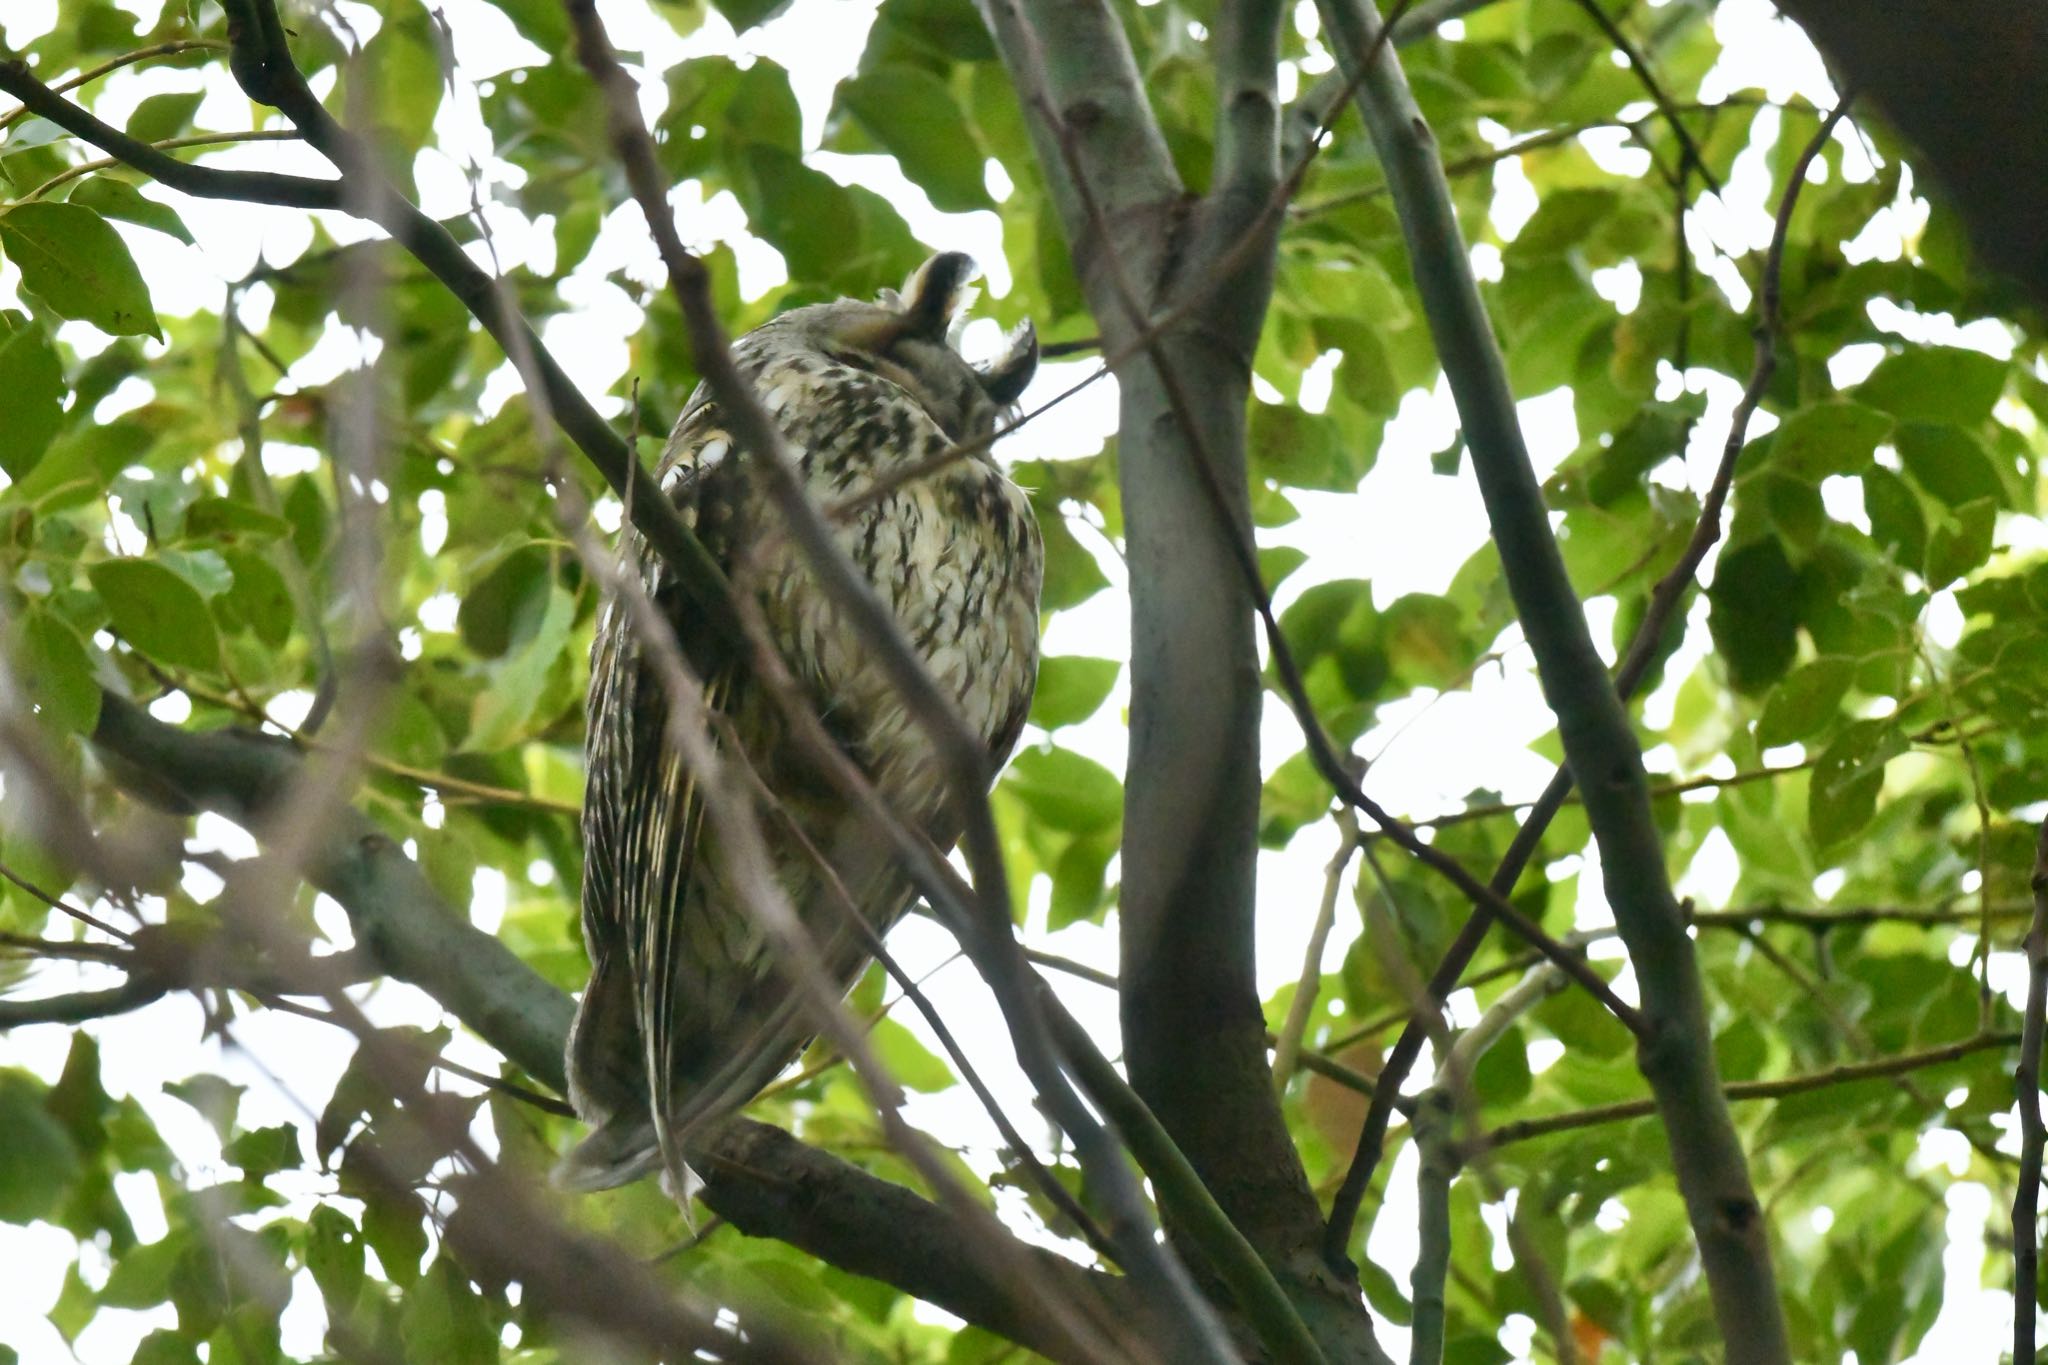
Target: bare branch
<point x="1849" y="1073"/>
<point x="1675" y="1051"/>
<point x="2026" y="1229"/>
<point x="256" y="187"/>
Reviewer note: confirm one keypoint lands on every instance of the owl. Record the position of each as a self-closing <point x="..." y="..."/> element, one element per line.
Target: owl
<point x="686" y="1016"/>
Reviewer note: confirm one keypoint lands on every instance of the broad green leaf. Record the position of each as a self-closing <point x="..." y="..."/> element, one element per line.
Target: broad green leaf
<point x="503" y="709"/>
<point x="1948" y="462"/>
<point x="444" y="1320"/>
<point x="398" y="76"/>
<point x="78" y="265"/>
<point x="1079" y="878"/>
<point x="334" y="1255"/>
<point x="1071" y="688"/>
<point x="264" y="1151"/>
<point x="164" y="116"/>
<point x="909" y="1060"/>
<point x="1960" y="543"/>
<point x="1754" y="614"/>
<point x="1805" y="700"/>
<point x="38" y="1161"/>
<point x="217" y="1100"/>
<point x="1847" y="778"/>
<point x="118" y="199"/>
<point x="32" y="377"/>
<point x="55" y="669"/>
<point x="158" y="612"/>
<point x="1065" y="790"/>
<point x="1943" y="384"/>
<point x="1835" y="437"/>
<point x="913" y="114"/>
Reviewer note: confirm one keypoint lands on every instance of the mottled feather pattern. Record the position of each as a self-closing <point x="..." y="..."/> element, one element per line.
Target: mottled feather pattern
<point x="686" y="1017"/>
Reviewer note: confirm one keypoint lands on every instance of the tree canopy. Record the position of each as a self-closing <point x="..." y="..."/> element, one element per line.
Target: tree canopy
<point x="1582" y="1073"/>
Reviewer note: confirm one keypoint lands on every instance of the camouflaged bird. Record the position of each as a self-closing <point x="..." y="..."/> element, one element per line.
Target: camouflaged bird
<point x="685" y="1017"/>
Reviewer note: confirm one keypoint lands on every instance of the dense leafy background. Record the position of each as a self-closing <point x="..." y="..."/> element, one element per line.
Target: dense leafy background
<point x="1853" y="717"/>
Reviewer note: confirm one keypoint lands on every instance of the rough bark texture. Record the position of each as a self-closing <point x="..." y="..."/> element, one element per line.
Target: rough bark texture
<point x="1194" y="1031"/>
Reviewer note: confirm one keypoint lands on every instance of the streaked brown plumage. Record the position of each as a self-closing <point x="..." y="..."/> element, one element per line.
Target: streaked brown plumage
<point x="683" y="988"/>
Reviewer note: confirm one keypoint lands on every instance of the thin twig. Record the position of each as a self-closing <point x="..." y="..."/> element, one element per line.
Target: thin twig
<point x="1306" y="989"/>
<point x="1654" y="88"/>
<point x="1849" y="1073"/>
<point x="93" y="73"/>
<point x="56" y="902"/>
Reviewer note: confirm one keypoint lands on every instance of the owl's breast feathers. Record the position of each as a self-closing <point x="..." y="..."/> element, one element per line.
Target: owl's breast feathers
<point x="686" y="1015"/>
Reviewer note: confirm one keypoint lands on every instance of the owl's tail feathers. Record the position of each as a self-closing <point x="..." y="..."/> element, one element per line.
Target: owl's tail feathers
<point x="618" y="1152"/>
<point x="608" y="1087"/>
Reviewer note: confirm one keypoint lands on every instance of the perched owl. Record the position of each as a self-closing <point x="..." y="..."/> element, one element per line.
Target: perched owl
<point x="686" y="1015"/>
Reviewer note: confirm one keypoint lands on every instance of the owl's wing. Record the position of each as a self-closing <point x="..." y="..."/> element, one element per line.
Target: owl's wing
<point x="642" y="827"/>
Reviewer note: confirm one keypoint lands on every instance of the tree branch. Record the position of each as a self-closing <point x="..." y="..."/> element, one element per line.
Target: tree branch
<point x="2026" y="1229"/>
<point x="1522" y="1130"/>
<point x="767" y="1183"/>
<point x="1675" y="1053"/>
<point x="255" y="187"/>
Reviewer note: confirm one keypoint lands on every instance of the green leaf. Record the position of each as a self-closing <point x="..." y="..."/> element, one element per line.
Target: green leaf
<point x="1847" y="778"/>
<point x="1959" y="544"/>
<point x="164" y="116"/>
<point x="1805" y="701"/>
<point x="1071" y="574"/>
<point x="262" y="1151"/>
<point x="501" y="713"/>
<point x="118" y="199"/>
<point x="444" y="1320"/>
<point x="1935" y="384"/>
<point x="1753" y="613"/>
<point x="158" y="613"/>
<point x="1828" y="438"/>
<point x="1065" y="790"/>
<point x="165" y="1348"/>
<point x="1948" y="462"/>
<point x="38" y="1161"/>
<point x="1071" y="688"/>
<point x="1896" y="522"/>
<point x="142" y="1277"/>
<point x="1080" y="877"/>
<point x="56" y="670"/>
<point x="908" y="1060"/>
<point x="334" y="1255"/>
<point x="399" y="71"/>
<point x="78" y="265"/>
<point x="216" y="1100"/>
<point x="913" y="114"/>
<point x="32" y="377"/>
<point x="745" y="14"/>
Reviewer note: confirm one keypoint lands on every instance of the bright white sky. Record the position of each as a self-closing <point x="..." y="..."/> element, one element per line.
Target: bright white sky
<point x="1427" y="754"/>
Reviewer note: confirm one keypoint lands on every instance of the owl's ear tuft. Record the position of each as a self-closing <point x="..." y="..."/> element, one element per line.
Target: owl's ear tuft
<point x="1010" y="373"/>
<point x="937" y="291"/>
